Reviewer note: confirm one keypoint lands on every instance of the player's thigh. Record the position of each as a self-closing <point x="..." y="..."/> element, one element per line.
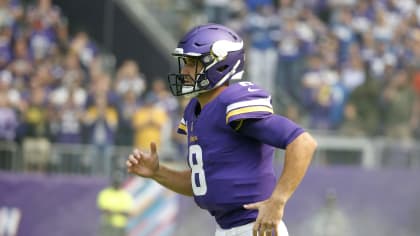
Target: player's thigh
<point x="282" y="229"/>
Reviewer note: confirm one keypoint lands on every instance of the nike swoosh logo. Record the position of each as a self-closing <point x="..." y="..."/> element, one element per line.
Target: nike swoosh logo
<point x="253" y="90"/>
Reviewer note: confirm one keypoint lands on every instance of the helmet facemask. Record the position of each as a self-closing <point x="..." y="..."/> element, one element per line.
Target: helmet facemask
<point x="185" y="84"/>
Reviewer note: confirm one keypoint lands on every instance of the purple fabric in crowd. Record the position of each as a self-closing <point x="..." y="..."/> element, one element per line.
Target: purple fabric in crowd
<point x="5" y="52"/>
<point x="8" y="124"/>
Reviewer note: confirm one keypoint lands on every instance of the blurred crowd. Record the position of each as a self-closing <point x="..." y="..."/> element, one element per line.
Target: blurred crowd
<point x="340" y="66"/>
<point x="56" y="88"/>
<point x="350" y="67"/>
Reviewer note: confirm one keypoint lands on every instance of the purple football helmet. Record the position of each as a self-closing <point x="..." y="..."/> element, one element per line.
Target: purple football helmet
<point x="221" y="52"/>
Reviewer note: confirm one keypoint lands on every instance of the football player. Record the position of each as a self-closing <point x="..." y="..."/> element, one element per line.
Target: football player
<point x="232" y="132"/>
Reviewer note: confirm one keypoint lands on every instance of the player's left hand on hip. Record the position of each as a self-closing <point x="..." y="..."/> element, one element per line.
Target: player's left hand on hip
<point x="269" y="217"/>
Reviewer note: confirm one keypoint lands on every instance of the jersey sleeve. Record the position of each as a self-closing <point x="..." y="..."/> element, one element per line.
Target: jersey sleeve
<point x="246" y="101"/>
<point x="182" y="127"/>
<point x="277" y="131"/>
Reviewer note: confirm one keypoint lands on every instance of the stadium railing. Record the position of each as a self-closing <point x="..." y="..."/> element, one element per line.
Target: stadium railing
<point x="9" y="156"/>
<point x="82" y="159"/>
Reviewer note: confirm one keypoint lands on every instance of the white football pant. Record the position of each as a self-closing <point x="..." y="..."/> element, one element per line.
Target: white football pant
<point x="246" y="230"/>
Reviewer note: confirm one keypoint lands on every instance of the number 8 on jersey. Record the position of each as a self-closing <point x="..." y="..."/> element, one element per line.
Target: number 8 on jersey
<point x="195" y="159"/>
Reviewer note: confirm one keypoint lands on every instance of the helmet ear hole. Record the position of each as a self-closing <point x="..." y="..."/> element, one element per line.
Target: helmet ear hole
<point x="222" y="68"/>
<point x="203" y="83"/>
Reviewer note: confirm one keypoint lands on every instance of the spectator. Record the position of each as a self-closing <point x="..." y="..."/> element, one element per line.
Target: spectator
<point x="341" y="28"/>
<point x="363" y="15"/>
<point x="10" y="13"/>
<point x="383" y="26"/>
<point x="238" y="12"/>
<point x="151" y="123"/>
<point x="361" y="112"/>
<point x="21" y="66"/>
<point x="289" y="67"/>
<point x="70" y="115"/>
<point x="164" y="97"/>
<point x="101" y="120"/>
<point x="330" y="220"/>
<point x="261" y="27"/>
<point x="398" y="98"/>
<point x="101" y="85"/>
<point x="318" y="94"/>
<point x="115" y="204"/>
<point x="44" y="16"/>
<point x="127" y="108"/>
<point x="328" y="48"/>
<point x="352" y="71"/>
<point x="67" y="129"/>
<point x="36" y="144"/>
<point x="72" y="70"/>
<point x="13" y="95"/>
<point x="84" y="48"/>
<point x="5" y="46"/>
<point x="130" y="78"/>
<point x="66" y="93"/>
<point x="171" y="105"/>
<point x="217" y="10"/>
<point x="399" y="102"/>
<point x="382" y="61"/>
<point x="63" y="40"/>
<point x="41" y="41"/>
<point x="8" y="120"/>
<point x="8" y="128"/>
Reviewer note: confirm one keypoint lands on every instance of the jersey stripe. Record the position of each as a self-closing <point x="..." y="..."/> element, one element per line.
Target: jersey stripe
<point x="182" y="127"/>
<point x="249" y="109"/>
<point x="256" y="102"/>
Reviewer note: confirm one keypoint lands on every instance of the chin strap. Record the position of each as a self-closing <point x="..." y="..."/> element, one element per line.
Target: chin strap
<point x="191" y="95"/>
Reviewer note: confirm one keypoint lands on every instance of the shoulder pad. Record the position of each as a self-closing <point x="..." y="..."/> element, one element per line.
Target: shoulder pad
<point x="245" y="100"/>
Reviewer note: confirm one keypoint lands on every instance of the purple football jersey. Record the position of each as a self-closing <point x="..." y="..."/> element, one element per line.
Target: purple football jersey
<point x="229" y="169"/>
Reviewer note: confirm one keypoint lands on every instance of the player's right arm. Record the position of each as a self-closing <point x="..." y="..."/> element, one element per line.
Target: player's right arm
<point x="147" y="165"/>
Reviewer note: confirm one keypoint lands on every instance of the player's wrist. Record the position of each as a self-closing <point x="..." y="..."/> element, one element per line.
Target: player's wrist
<point x="157" y="168"/>
<point x="278" y="200"/>
<point x="156" y="171"/>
